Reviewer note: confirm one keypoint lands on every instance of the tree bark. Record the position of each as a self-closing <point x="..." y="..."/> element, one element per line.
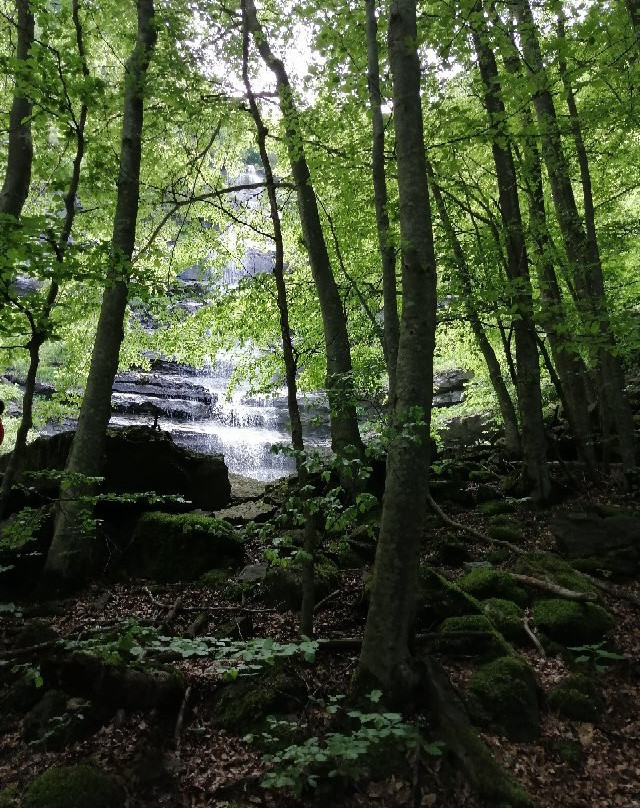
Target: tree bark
<point x="17" y="178"/>
<point x="40" y="323"/>
<point x="535" y="472"/>
<point x="581" y="249"/>
<point x="69" y="560"/>
<point x="339" y="382"/>
<point x="290" y="363"/>
<point x="380" y="198"/>
<point x="385" y="656"/>
<point x="505" y="404"/>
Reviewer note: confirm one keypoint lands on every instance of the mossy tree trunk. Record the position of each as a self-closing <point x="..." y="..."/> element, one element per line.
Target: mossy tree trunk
<point x="386" y="656"/>
<point x="69" y="560"/>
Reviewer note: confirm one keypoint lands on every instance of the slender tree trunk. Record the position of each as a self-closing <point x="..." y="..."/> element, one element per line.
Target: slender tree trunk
<point x="581" y="249"/>
<point x="290" y="363"/>
<point x="17" y="178"/>
<point x="339" y="382"/>
<point x="40" y="323"/>
<point x="69" y="559"/>
<point x="385" y="239"/>
<point x="536" y="472"/>
<point x="572" y="375"/>
<point x="385" y="656"/>
<point x="505" y="404"/>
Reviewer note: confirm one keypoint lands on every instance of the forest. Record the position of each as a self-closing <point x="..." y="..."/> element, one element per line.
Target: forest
<point x="350" y="215"/>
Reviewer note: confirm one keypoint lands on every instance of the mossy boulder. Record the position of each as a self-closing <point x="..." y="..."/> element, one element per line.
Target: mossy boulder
<point x="485" y="583"/>
<point x="244" y="704"/>
<point x="493" y="507"/>
<point x="282" y="585"/>
<point x="439" y="598"/>
<point x="506" y="531"/>
<point x="577" y="697"/>
<point x="506" y="616"/>
<point x="57" y="721"/>
<point x="168" y="547"/>
<point x="472" y="635"/>
<point x="570" y="622"/>
<point x="503" y="696"/>
<point x="550" y="567"/>
<point x="73" y="787"/>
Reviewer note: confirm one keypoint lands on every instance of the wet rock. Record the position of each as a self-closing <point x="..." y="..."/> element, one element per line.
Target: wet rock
<point x="58" y="720"/>
<point x="255" y="511"/>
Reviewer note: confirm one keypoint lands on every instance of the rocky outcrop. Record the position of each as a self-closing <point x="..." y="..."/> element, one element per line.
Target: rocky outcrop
<point x="141" y="459"/>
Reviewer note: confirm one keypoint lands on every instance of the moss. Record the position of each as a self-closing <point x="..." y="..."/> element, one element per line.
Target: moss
<point x="439" y="598"/>
<point x="10" y="797"/>
<point x="73" y="787"/>
<point x="496" y="506"/>
<point x="181" y="547"/>
<point x="481" y="476"/>
<point x="619" y="564"/>
<point x="568" y="750"/>
<point x="570" y="622"/>
<point x="476" y="635"/>
<point x="282" y="585"/>
<point x="506" y="616"/>
<point x="578" y="698"/>
<point x="550" y="567"/>
<point x="244" y="704"/>
<point x="508" y="533"/>
<point x="214" y="579"/>
<point x="503" y="696"/>
<point x="487" y="583"/>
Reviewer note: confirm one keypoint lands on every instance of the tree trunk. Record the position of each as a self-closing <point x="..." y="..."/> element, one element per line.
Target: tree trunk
<point x="505" y="404"/>
<point x="290" y="363"/>
<point x="339" y="382"/>
<point x="385" y="240"/>
<point x="69" y="559"/>
<point x="572" y="375"/>
<point x="17" y="178"/>
<point x="582" y="251"/>
<point x="385" y="656"/>
<point x="40" y="323"/>
<point x="536" y="472"/>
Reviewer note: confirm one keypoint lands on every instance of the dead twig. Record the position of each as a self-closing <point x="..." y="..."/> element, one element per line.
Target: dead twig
<point x="177" y="732"/>
<point x="322" y="602"/>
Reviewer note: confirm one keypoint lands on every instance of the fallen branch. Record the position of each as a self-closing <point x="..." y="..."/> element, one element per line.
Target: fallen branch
<point x="235" y="607"/>
<point x="322" y="602"/>
<point x="177" y="733"/>
<point x="527" y="627"/>
<point x="555" y="589"/>
<point x="618" y="592"/>
<point x="470" y="530"/>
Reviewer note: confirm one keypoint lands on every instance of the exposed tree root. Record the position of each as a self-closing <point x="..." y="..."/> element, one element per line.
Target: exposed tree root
<point x="618" y="592"/>
<point x="531" y="634"/>
<point x="470" y="530"/>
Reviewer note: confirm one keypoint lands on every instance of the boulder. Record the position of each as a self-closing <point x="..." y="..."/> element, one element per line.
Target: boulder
<point x="140" y="459"/>
<point x="503" y="696"/>
<point x="169" y="547"/>
<point x="57" y="721"/>
<point x="577" y="697"/>
<point x="570" y="622"/>
<point x="492" y="583"/>
<point x="595" y="532"/>
<point x="73" y="787"/>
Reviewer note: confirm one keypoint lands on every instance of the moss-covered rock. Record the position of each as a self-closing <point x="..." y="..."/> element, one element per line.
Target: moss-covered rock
<point x="570" y="622"/>
<point x="503" y="696"/>
<point x="57" y="721"/>
<point x="10" y="797"/>
<point x="485" y="583"/>
<point x="481" y="476"/>
<point x="493" y="507"/>
<point x="577" y="697"/>
<point x="181" y="547"/>
<point x="550" y="567"/>
<point x="439" y="598"/>
<point x="73" y="787"/>
<point x="453" y="553"/>
<point x="215" y="578"/>
<point x="282" y="585"/>
<point x="243" y="705"/>
<point x="507" y="531"/>
<point x="472" y="634"/>
<point x="506" y="616"/>
<point x="568" y="750"/>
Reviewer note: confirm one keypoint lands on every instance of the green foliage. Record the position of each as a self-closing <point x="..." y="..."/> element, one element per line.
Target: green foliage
<point x="336" y="755"/>
<point x="21" y="529"/>
<point x="596" y="656"/>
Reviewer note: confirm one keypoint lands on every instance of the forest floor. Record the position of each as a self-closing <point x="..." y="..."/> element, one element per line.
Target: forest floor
<point x="182" y="757"/>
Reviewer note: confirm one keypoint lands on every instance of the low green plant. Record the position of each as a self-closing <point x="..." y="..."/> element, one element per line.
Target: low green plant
<point x="596" y="656"/>
<point x="301" y="766"/>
